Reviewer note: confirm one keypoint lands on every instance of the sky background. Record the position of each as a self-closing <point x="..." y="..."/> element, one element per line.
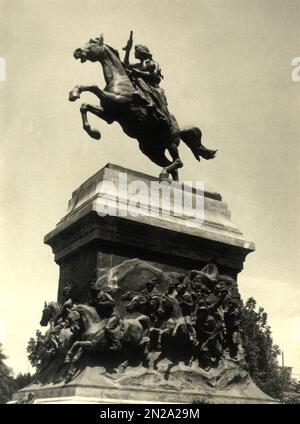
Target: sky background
<point x="227" y="68"/>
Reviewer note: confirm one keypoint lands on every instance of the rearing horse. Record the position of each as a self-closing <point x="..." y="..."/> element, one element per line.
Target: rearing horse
<point x="120" y="102"/>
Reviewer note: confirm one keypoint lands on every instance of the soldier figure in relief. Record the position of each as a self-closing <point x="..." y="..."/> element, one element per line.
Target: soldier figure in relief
<point x="232" y="318"/>
<point x="152" y="299"/>
<point x="187" y="306"/>
<point x="67" y="317"/>
<point x="108" y="312"/>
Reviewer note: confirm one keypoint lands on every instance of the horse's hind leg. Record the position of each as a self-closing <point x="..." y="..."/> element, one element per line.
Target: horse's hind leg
<point x="168" y="370"/>
<point x="123" y="366"/>
<point x="96" y="110"/>
<point x="160" y="357"/>
<point x="81" y="345"/>
<point x="73" y="367"/>
<point x="175" y="165"/>
<point x="70" y="352"/>
<point x="157" y="156"/>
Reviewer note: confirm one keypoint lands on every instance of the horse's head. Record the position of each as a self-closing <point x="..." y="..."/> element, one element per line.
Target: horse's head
<point x="46" y="315"/>
<point x="93" y="50"/>
<point x="50" y="311"/>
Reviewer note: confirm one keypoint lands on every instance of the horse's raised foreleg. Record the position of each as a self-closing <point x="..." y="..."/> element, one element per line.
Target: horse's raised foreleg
<point x="78" y="89"/>
<point x="96" y="110"/>
<point x="101" y="94"/>
<point x="87" y="344"/>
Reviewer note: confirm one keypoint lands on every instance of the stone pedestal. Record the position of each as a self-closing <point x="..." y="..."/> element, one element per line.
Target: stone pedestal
<point x="84" y="240"/>
<point x="103" y="233"/>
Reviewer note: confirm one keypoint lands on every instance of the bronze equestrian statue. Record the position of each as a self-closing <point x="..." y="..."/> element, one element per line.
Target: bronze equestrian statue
<point x="133" y="98"/>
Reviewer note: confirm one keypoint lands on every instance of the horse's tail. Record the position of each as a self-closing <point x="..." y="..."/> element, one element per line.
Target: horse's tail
<point x="144" y="321"/>
<point x="191" y="136"/>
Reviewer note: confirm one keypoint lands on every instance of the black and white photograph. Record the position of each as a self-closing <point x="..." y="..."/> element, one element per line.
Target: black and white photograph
<point x="149" y="204"/>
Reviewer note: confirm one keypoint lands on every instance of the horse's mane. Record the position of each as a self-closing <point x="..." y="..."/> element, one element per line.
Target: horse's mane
<point x="114" y="51"/>
<point x="83" y="306"/>
<point x="55" y="306"/>
<point x="80" y="307"/>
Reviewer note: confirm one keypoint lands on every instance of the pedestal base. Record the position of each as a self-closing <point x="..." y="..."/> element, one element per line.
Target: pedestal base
<point x="123" y="252"/>
<point x="184" y="384"/>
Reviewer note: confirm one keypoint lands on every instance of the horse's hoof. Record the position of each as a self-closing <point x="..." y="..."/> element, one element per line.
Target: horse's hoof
<point x="146" y="363"/>
<point x="94" y="133"/>
<point x="179" y="163"/>
<point x="74" y="95"/>
<point x="163" y="176"/>
<point x="69" y="376"/>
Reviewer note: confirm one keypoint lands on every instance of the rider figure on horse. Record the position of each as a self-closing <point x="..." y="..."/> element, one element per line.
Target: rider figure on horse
<point x="152" y="296"/>
<point x="63" y="318"/>
<point x="150" y="289"/>
<point x="108" y="312"/>
<point x="171" y="296"/>
<point x="148" y="69"/>
<point x="187" y="306"/>
<point x="146" y="77"/>
<point x="133" y="98"/>
<point x="66" y="317"/>
<point x="67" y="304"/>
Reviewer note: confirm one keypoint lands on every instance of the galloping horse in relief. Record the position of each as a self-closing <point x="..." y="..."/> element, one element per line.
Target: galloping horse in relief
<point x="133" y="337"/>
<point x="59" y="337"/>
<point x="138" y="104"/>
<point x="174" y="335"/>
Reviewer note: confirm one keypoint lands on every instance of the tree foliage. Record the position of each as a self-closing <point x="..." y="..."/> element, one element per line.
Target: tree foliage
<point x="37" y="353"/>
<point x="6" y="379"/>
<point x="293" y="394"/>
<point x="23" y="380"/>
<point x="261" y="354"/>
